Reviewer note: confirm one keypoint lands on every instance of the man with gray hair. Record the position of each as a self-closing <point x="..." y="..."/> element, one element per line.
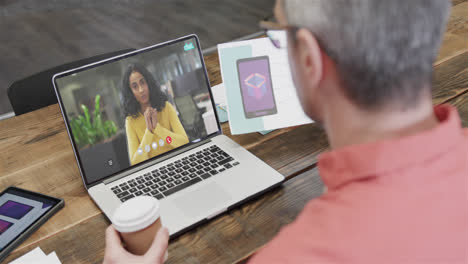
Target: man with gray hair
<point x="397" y="174"/>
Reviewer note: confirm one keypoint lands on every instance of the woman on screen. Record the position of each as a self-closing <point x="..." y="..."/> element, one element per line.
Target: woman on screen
<point x="151" y="123"/>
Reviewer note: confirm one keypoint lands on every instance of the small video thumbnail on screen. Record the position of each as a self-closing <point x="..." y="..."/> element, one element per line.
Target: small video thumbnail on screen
<point x="128" y="111"/>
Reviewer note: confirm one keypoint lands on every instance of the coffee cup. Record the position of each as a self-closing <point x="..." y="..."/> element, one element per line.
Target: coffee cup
<point x="138" y="221"/>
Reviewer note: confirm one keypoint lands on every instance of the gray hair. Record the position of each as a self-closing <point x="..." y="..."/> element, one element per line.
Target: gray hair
<point x="383" y="49"/>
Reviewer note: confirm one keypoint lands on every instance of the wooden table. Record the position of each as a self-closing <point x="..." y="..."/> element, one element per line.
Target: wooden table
<point x="36" y="154"/>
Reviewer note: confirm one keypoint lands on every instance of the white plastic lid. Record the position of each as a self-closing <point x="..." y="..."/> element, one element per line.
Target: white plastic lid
<point x="136" y="214"/>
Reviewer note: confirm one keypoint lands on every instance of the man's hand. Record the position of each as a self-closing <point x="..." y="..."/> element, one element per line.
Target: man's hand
<point x="115" y="253"/>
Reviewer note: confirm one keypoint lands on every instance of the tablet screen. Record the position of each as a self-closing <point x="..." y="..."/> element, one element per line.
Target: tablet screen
<point x="18" y="211"/>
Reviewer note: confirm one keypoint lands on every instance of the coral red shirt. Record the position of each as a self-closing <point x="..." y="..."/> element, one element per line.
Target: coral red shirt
<point x="402" y="200"/>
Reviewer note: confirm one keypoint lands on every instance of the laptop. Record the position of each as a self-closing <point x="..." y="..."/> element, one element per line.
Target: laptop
<point x="144" y="123"/>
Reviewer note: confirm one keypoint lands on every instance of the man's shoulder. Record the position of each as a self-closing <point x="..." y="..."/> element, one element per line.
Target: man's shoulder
<point x="465" y="134"/>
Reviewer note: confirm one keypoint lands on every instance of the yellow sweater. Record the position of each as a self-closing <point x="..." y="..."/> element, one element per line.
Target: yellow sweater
<point x="144" y="144"/>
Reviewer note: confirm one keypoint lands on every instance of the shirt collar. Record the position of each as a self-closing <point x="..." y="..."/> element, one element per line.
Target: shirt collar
<point x="356" y="162"/>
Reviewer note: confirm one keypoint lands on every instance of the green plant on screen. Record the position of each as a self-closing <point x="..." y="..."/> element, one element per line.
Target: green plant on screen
<point x="89" y="132"/>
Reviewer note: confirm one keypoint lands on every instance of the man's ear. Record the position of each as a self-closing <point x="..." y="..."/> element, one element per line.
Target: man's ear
<point x="309" y="56"/>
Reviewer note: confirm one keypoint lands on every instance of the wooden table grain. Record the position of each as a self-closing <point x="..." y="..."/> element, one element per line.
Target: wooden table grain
<point x="35" y="154"/>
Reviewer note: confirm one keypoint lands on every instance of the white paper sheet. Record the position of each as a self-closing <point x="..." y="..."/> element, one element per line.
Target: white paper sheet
<point x="289" y="110"/>
<point x="37" y="256"/>
<point x="30" y="257"/>
<point x="219" y="94"/>
<point x="53" y="259"/>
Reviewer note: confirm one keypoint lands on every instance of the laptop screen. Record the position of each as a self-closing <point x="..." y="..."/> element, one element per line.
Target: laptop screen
<point x="137" y="107"/>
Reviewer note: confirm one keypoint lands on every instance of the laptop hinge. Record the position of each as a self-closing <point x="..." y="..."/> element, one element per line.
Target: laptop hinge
<point x="155" y="161"/>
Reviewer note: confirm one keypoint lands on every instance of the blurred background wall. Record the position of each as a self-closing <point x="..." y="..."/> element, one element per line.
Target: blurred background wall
<point x="37" y="35"/>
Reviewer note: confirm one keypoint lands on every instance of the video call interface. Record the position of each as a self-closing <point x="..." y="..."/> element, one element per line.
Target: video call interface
<point x="133" y="109"/>
<point x="18" y="211"/>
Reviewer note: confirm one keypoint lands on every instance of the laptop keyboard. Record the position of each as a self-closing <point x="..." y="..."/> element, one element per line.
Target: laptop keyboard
<point x="177" y="175"/>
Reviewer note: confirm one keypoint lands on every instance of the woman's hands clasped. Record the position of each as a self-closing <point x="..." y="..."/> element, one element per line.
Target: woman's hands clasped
<point x="151" y="118"/>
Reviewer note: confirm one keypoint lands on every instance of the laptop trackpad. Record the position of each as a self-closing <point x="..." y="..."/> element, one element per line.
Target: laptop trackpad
<point x="202" y="200"/>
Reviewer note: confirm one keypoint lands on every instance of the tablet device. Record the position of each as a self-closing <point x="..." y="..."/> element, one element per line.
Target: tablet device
<point x="21" y="213"/>
<point x="256" y="86"/>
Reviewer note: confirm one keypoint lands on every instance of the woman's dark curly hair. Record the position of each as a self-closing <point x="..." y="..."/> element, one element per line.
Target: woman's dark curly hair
<point x="131" y="106"/>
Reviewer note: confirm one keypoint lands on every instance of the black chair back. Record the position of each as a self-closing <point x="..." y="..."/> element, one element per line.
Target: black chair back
<point x="37" y="91"/>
